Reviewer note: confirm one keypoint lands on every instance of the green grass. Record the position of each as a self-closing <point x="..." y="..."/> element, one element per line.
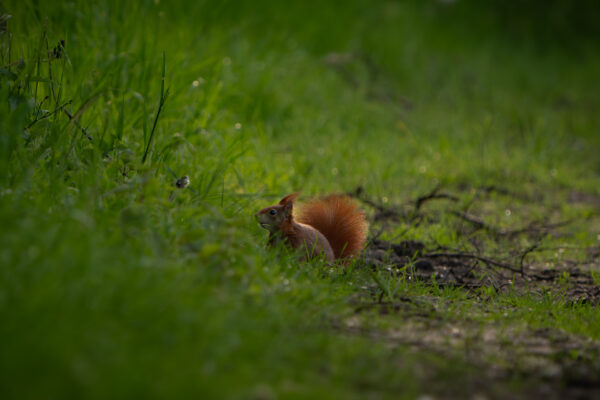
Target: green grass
<point x="113" y="283"/>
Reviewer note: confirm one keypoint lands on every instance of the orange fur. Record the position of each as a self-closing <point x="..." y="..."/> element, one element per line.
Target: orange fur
<point x="279" y="221"/>
<point x="338" y="218"/>
<point x="332" y="226"/>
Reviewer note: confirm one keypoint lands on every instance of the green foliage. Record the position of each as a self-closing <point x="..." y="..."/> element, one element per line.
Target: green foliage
<point x="116" y="284"/>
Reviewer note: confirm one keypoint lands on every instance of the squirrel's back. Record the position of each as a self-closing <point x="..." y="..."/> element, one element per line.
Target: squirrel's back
<point x="340" y="220"/>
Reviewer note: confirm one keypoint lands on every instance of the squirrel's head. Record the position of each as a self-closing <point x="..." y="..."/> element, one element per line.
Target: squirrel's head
<point x="273" y="217"/>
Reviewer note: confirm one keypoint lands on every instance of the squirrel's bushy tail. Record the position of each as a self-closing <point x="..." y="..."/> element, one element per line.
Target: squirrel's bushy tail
<point x="338" y="218"/>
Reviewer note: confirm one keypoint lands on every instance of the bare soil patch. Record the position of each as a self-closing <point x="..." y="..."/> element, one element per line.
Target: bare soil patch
<point x="496" y="258"/>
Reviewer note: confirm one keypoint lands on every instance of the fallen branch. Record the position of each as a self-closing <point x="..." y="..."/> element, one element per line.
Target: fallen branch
<point x="382" y="211"/>
<point x="478" y="223"/>
<point x="533" y="227"/>
<point x="433" y="195"/>
<point x="524" y="254"/>
<point x="485" y="260"/>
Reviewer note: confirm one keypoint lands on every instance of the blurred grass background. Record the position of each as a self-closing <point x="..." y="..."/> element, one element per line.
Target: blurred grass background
<point x="116" y="284"/>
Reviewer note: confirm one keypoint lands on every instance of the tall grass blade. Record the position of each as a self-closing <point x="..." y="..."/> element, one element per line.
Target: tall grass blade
<point x="161" y="102"/>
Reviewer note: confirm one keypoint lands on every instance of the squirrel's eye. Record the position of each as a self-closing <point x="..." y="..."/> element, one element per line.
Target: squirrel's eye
<point x="272" y="212"/>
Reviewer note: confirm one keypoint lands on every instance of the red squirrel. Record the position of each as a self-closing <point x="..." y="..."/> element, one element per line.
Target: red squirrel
<point x="332" y="226"/>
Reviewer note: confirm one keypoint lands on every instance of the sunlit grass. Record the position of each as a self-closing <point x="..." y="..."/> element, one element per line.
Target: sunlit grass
<point x="115" y="283"/>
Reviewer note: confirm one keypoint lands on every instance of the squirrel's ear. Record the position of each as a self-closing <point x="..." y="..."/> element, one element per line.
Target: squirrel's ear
<point x="288" y="203"/>
<point x="287" y="208"/>
<point x="289" y="199"/>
